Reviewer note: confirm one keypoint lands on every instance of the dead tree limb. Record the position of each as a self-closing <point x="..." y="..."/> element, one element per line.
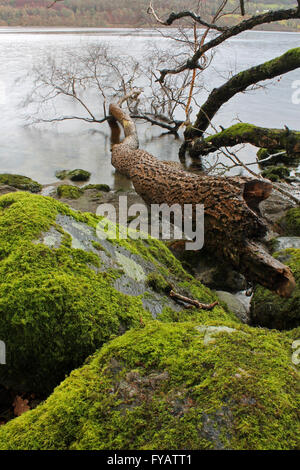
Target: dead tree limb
<point x="239" y="83"/>
<point x="184" y="14"/>
<point x="234" y="228"/>
<point x="243" y="133"/>
<point x="54" y="3"/>
<point x="192" y="302"/>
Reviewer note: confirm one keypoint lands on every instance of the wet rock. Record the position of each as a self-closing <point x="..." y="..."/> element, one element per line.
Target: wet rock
<point x="4" y="189"/>
<point x="67" y="191"/>
<point x="79" y="175"/>
<point x="235" y="305"/>
<point x="98" y="187"/>
<point x="209" y="271"/>
<point x="275" y="207"/>
<point x="20" y="182"/>
<point x="74" y="175"/>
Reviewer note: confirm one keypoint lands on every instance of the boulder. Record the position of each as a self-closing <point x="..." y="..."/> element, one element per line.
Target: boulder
<point x="235" y="304"/>
<point x="74" y="175"/>
<point x="189" y="385"/>
<point x="64" y="292"/>
<point x="20" y="182"/>
<point x="68" y="191"/>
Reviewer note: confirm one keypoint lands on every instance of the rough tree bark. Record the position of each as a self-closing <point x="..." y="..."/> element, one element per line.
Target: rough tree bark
<point x="237" y="84"/>
<point x="233" y="225"/>
<point x="242" y="3"/>
<point x="243" y="133"/>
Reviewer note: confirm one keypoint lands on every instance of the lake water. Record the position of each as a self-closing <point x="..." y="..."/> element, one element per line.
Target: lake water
<point x="38" y="151"/>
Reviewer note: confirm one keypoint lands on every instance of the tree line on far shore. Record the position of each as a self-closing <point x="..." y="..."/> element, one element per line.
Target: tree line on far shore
<point x="114" y="13"/>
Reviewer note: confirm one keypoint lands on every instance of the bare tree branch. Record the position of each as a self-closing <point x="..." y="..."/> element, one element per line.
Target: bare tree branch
<point x="239" y="83"/>
<point x="245" y="25"/>
<point x="184" y="14"/>
<point x="53" y="3"/>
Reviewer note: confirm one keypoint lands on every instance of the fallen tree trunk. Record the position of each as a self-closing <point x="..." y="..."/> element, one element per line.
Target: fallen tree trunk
<point x="237" y="84"/>
<point x="233" y="225"/>
<point x="271" y="139"/>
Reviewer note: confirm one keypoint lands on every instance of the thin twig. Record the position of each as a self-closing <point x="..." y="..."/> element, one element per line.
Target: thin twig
<point x="193" y="302"/>
<point x="53" y="3"/>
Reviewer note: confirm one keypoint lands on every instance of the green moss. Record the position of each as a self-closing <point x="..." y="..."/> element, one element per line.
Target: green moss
<point x="74" y="175"/>
<point x="272" y="311"/>
<point x="151" y="250"/>
<point x="158" y="283"/>
<point x="79" y="175"/>
<point x="276" y="173"/>
<point x="62" y="175"/>
<point x="233" y="131"/>
<point x="55" y="309"/>
<point x="291" y="222"/>
<point x="264" y="153"/>
<point x="172" y="386"/>
<point x="20" y="182"/>
<point x="56" y="306"/>
<point x="99" y="247"/>
<point x="69" y="191"/>
<point x="99" y="187"/>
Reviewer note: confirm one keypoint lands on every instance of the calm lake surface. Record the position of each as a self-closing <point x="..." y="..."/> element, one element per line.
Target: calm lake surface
<point x="38" y="151"/>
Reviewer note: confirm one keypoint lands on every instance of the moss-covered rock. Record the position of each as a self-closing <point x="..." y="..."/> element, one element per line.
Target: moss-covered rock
<point x="291" y="222"/>
<point x="68" y="191"/>
<point x="62" y="174"/>
<point x="20" y="182"/>
<point x="55" y="308"/>
<point x="79" y="175"/>
<point x="98" y="187"/>
<point x="74" y="175"/>
<point x="172" y="386"/>
<point x="276" y="173"/>
<point x="64" y="292"/>
<point x="270" y="310"/>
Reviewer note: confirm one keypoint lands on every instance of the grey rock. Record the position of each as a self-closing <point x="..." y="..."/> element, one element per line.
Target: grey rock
<point x="235" y="304"/>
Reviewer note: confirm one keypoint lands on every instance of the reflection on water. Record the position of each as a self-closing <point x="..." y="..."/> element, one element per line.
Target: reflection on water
<point x="39" y="152"/>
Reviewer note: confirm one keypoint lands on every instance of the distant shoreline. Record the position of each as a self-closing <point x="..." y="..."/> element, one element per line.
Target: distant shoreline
<point x="119" y="27"/>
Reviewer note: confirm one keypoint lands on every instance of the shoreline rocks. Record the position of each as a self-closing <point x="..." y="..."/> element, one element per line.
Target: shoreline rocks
<point x="144" y="372"/>
<point x="64" y="292"/>
<point x="190" y="385"/>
